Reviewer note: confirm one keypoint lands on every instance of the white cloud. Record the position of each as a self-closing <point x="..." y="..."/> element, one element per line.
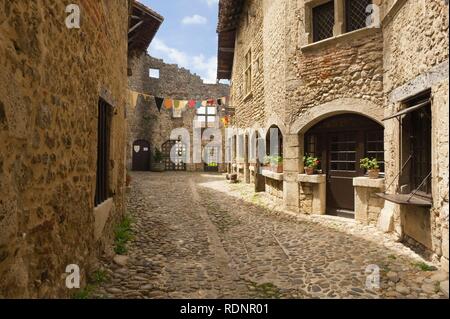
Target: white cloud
<point x="206" y="68"/>
<point x="173" y="55"/>
<point x="195" y="19"/>
<point x="211" y="3"/>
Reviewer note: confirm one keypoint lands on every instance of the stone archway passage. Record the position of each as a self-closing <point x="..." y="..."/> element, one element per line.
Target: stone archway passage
<point x="340" y="142"/>
<point x="141" y="155"/>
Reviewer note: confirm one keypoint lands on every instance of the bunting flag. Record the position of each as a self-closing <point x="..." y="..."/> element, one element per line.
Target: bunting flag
<point x="168" y="103"/>
<point x="210" y="102"/>
<point x="183" y="104"/>
<point x="159" y="102"/>
<point x="198" y="104"/>
<point x="204" y="103"/>
<point x="192" y="104"/>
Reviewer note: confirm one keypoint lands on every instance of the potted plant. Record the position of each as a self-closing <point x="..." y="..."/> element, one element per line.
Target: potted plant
<point x="158" y="165"/>
<point x="311" y="163"/>
<point x="372" y="167"/>
<point x="276" y="164"/>
<point x="266" y="161"/>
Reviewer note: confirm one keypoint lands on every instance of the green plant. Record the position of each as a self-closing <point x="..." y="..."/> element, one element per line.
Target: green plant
<point x="369" y="164"/>
<point x="157" y="156"/>
<point x="267" y="160"/>
<point x="122" y="236"/>
<point x="84" y="293"/>
<point x="424" y="267"/>
<point x="99" y="277"/>
<point x="276" y="160"/>
<point x="311" y="162"/>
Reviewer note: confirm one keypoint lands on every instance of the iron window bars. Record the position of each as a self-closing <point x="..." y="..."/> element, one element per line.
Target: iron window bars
<point x="323" y="21"/>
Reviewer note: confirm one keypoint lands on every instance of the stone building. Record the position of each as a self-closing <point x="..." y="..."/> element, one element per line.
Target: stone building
<point x="151" y="128"/>
<point x="63" y="94"/>
<point x="331" y="78"/>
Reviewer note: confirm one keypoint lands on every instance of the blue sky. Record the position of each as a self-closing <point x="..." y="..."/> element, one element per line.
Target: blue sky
<point x="187" y="36"/>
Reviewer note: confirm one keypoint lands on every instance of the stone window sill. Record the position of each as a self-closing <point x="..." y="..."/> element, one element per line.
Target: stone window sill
<point x="368" y="182"/>
<point x="272" y="175"/>
<point x="339" y="39"/>
<point x="312" y="179"/>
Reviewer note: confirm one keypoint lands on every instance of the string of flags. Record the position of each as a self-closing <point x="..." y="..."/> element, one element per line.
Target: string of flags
<point x="179" y="106"/>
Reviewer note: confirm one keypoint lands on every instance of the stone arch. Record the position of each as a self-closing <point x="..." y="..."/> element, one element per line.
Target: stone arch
<point x="275" y="120"/>
<point x="336" y="107"/>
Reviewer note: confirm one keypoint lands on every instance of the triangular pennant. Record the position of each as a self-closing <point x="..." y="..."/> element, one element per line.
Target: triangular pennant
<point x="198" y="104"/>
<point x="191" y="104"/>
<point x="176" y="104"/>
<point x="219" y="101"/>
<point x="159" y="102"/>
<point x="210" y="102"/>
<point x="168" y="103"/>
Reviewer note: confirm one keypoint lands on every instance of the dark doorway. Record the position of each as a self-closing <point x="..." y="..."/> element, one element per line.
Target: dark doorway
<point x="141" y="156"/>
<point x="174" y="155"/>
<point x="340" y="142"/>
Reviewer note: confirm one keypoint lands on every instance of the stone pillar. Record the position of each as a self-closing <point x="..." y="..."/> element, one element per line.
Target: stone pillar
<point x="291" y="165"/>
<point x="317" y="183"/>
<point x="246" y="161"/>
<point x="368" y="205"/>
<point x="338" y="17"/>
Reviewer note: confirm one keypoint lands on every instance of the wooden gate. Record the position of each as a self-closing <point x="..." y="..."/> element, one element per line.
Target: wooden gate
<point x="141" y="156"/>
<point x="174" y="155"/>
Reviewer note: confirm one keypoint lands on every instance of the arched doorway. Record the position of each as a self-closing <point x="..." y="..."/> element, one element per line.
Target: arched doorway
<point x="340" y="142"/>
<point x="141" y="156"/>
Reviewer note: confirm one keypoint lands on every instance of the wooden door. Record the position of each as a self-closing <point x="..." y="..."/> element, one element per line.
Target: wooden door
<point x="141" y="156"/>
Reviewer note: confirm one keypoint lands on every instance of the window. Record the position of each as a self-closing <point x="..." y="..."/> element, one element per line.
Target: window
<point x="323" y="21"/>
<point x="154" y="73"/>
<point x="355" y="14"/>
<point x="103" y="140"/>
<point x="206" y="116"/>
<point x="343" y="147"/>
<point x="274" y="142"/>
<point x="310" y="145"/>
<point x="375" y="147"/>
<point x="248" y="73"/>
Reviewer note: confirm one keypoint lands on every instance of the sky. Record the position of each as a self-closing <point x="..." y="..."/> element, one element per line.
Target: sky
<point x="188" y="35"/>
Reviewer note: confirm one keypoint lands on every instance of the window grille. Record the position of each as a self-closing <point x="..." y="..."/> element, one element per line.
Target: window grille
<point x="375" y="147"/>
<point x="355" y="13"/>
<point x="103" y="140"/>
<point x="323" y="21"/>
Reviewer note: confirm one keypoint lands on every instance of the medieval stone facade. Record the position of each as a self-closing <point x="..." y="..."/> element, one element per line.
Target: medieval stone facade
<point x="330" y="96"/>
<point x="147" y="123"/>
<point x="51" y="81"/>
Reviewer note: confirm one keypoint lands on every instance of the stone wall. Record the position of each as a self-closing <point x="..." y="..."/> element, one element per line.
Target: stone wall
<point x="51" y="78"/>
<point x="145" y="121"/>
<point x="367" y="71"/>
<point x="249" y="108"/>
<point x="410" y="68"/>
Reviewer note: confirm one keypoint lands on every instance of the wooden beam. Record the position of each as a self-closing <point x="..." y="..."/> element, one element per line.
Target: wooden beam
<point x="226" y="50"/>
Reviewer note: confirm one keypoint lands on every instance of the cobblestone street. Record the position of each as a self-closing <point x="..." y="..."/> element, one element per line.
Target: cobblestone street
<point x="196" y="236"/>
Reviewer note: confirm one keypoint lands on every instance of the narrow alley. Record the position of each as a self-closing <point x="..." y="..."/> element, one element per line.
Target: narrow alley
<point x="196" y="236"/>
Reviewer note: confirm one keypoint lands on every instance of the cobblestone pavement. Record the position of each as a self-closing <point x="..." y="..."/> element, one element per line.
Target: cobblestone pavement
<point x="196" y="236"/>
